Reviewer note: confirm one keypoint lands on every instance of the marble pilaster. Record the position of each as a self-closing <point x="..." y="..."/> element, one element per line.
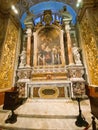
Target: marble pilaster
<point x="69" y="44"/>
<point x="29" y="35"/>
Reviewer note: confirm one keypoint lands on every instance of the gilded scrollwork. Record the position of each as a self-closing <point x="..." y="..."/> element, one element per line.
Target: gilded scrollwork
<point x="8" y="58"/>
<point x="94" y="20"/>
<point x="90" y="48"/>
<point x="3" y="25"/>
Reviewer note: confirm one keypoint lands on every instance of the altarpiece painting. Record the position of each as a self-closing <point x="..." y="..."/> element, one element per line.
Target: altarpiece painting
<point x="49" y="50"/>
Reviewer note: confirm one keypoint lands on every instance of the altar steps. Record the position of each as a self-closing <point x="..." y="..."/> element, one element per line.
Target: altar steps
<point x="46" y="115"/>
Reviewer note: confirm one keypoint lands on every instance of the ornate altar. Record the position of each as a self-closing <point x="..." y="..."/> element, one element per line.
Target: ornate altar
<point x="50" y="66"/>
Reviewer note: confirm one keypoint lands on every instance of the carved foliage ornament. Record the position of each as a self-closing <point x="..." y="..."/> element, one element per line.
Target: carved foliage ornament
<point x="8" y="58"/>
<point x="91" y="52"/>
<point x="3" y="25"/>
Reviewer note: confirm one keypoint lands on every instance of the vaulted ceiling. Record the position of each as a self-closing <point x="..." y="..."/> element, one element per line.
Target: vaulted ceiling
<point x="22" y="5"/>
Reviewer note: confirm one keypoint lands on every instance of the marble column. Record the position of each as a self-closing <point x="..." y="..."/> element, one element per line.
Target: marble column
<point x="69" y="44"/>
<point x="29" y="34"/>
<point x="24" y="40"/>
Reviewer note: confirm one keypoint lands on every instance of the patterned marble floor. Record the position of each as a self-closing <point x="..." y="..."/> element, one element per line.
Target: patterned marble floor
<point x="47" y="114"/>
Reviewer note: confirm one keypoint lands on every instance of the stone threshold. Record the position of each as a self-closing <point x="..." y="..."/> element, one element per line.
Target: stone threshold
<point x="48" y="116"/>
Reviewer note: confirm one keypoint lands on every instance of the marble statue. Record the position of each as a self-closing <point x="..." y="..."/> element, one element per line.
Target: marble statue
<point x="22" y="58"/>
<point x="76" y="54"/>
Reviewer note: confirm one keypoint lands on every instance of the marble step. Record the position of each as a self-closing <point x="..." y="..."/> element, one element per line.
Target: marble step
<point x="46" y="115"/>
<point x="41" y="123"/>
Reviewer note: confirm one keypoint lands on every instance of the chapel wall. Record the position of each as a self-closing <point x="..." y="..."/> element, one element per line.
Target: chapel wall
<point x="7" y="65"/>
<point x="88" y="28"/>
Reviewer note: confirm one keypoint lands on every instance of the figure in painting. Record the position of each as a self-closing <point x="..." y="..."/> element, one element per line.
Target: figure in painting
<point x="59" y="54"/>
<point x="41" y="55"/>
<point x="56" y="55"/>
<point x="44" y="55"/>
<point x="49" y="55"/>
